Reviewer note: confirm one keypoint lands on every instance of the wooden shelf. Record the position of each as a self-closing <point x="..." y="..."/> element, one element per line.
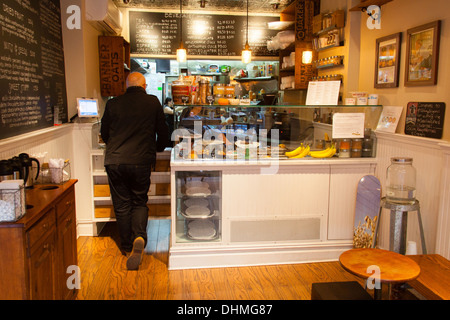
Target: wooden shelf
<point x="331" y="46"/>
<point x="255" y="79"/>
<point x="365" y="4"/>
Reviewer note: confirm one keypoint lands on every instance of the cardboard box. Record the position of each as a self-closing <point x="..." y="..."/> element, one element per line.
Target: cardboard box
<point x="317" y="23"/>
<point x="338" y="18"/>
<point x="104" y="212"/>
<point x="101" y="190"/>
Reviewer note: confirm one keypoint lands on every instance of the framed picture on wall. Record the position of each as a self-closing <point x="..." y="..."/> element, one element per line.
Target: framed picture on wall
<point x="387" y="60"/>
<point x="422" y="54"/>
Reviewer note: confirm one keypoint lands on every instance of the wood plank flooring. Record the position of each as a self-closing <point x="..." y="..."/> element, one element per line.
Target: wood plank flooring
<point x="104" y="275"/>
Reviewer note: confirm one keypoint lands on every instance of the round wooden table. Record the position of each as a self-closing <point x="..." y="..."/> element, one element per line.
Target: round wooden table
<point x="393" y="267"/>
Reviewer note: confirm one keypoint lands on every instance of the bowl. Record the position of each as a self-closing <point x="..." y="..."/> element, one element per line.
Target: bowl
<point x="233" y="101"/>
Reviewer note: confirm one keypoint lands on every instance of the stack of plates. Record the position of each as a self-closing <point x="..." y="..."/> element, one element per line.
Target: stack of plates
<point x="197" y="188"/>
<point x="196" y="208"/>
<point x="201" y="230"/>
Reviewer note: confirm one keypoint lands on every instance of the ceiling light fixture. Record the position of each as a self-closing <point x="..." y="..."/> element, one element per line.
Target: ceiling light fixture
<point x="246" y="53"/>
<point x="307" y="56"/>
<point x="181" y="51"/>
<point x="202" y="3"/>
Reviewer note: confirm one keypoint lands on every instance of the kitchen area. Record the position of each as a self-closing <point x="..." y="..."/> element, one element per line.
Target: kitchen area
<point x="266" y="154"/>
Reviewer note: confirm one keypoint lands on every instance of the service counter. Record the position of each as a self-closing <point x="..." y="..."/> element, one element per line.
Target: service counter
<point x="255" y="212"/>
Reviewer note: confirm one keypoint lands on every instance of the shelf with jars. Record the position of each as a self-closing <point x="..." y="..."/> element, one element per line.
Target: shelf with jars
<point x="328" y="62"/>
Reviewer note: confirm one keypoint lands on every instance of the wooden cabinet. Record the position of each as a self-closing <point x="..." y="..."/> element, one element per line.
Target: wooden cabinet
<point x="114" y="61"/>
<point x="40" y="247"/>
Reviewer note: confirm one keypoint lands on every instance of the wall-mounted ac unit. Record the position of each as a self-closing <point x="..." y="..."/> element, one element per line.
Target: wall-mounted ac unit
<point x="104" y="16"/>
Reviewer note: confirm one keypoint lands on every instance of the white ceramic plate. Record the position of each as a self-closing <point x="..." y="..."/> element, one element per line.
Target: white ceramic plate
<point x="197" y="211"/>
<point x="196" y="202"/>
<point x="198" y="191"/>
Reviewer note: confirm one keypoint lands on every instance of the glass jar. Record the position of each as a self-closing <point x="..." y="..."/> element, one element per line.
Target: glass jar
<point x="401" y="181"/>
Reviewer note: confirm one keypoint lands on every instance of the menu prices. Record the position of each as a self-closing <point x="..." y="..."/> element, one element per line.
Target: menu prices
<point x="215" y="35"/>
<point x="32" y="81"/>
<point x="425" y="119"/>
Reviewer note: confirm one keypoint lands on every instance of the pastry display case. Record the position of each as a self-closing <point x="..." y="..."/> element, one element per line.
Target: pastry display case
<point x="269" y="132"/>
<point x="198" y="206"/>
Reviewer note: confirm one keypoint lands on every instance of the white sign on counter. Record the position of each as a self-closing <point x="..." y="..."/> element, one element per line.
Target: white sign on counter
<point x="348" y="125"/>
<point x="323" y="93"/>
<point x="389" y="119"/>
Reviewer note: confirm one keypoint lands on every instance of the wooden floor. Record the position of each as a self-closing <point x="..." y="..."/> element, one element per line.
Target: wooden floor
<point x="104" y="275"/>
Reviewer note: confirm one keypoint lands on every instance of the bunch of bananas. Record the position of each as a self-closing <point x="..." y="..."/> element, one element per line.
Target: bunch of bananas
<point x="327" y="153"/>
<point x="303" y="151"/>
<point x="298" y="153"/>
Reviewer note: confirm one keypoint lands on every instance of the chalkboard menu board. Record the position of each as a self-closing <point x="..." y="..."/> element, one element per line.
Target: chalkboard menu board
<point x="155" y="33"/>
<point x="425" y="119"/>
<point x="32" y="80"/>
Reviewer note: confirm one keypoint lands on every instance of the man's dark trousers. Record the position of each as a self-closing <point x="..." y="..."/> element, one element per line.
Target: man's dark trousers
<point x="129" y="185"/>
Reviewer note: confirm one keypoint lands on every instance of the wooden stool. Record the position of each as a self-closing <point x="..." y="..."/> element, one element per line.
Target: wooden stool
<point x="398" y="224"/>
<point x="349" y="290"/>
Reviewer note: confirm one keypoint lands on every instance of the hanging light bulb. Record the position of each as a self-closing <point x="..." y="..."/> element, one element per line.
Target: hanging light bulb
<point x="181" y="51"/>
<point x="307" y="57"/>
<point x="246" y="53"/>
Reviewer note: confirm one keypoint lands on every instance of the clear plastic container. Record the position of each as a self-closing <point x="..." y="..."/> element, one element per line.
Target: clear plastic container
<point x="401" y="181"/>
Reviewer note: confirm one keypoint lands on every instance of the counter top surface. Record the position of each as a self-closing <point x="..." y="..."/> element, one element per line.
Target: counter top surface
<point x="39" y="197"/>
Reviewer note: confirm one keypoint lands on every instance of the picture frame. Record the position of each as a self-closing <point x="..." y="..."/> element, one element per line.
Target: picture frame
<point x="387" y="61"/>
<point x="422" y="54"/>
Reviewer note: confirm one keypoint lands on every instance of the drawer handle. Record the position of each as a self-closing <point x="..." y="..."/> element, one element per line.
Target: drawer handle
<point x="45" y="226"/>
<point x="69" y="203"/>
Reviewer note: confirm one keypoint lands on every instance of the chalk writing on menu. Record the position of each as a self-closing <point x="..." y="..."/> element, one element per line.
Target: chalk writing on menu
<point x="216" y="35"/>
<point x="32" y="80"/>
<point x="425" y="119"/>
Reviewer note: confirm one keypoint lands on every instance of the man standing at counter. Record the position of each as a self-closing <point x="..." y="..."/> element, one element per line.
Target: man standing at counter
<point x="134" y="129"/>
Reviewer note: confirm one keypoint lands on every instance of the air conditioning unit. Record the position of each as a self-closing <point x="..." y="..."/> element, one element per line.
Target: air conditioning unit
<point x="104" y="16"/>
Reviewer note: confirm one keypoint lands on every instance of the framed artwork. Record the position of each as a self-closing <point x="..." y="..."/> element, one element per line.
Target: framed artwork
<point x="387" y="59"/>
<point x="422" y="54"/>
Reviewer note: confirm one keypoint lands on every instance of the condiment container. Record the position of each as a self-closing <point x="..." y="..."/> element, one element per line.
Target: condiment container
<point x="204" y="91"/>
<point x="356" y="153"/>
<point x="344" y="153"/>
<point x="219" y="88"/>
<point x="345" y="144"/>
<point x="367" y="148"/>
<point x="401" y="181"/>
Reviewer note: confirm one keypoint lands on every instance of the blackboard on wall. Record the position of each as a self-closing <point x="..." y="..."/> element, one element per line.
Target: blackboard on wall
<point x="153" y="33"/>
<point x="32" y="77"/>
<point x="425" y="119"/>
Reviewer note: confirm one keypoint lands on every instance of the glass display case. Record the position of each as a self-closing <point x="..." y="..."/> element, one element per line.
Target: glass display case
<point x="198" y="206"/>
<point x="269" y="132"/>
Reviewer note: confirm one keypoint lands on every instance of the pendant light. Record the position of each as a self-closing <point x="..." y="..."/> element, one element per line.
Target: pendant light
<point x="181" y="51"/>
<point x="246" y="53"/>
<point x="307" y="57"/>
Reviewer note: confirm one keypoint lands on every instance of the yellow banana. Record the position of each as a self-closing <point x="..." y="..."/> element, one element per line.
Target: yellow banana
<point x="320" y="152"/>
<point x="327" y="153"/>
<point x="295" y="152"/>
<point x="302" y="154"/>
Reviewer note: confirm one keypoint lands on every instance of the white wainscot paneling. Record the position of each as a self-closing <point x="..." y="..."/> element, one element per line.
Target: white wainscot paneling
<point x="430" y="159"/>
